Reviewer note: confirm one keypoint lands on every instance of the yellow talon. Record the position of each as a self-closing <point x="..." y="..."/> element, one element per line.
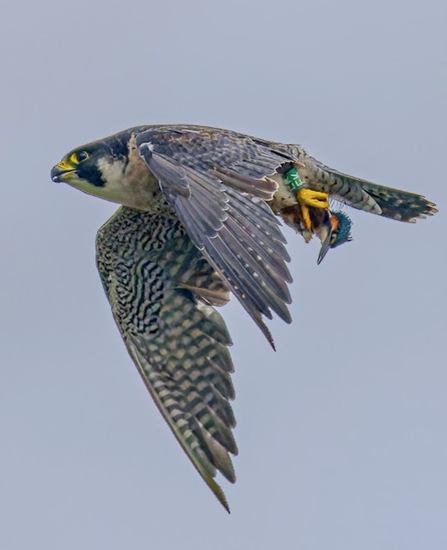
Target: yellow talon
<point x="307" y="198"/>
<point x="306" y="217"/>
<point x="314" y="199"/>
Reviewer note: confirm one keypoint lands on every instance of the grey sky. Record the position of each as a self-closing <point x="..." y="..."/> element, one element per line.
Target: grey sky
<point x="342" y="432"/>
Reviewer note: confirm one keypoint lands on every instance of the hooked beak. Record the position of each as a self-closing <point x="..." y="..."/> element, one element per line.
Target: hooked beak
<point x="62" y="171"/>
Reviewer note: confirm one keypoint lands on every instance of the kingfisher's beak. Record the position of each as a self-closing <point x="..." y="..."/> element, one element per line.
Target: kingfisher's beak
<point x="325" y="246"/>
<point x="324" y="233"/>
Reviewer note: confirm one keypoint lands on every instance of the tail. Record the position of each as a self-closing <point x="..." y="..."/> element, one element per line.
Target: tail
<point x="397" y="204"/>
<point x="364" y="195"/>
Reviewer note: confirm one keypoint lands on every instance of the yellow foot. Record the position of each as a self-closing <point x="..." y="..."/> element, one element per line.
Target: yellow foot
<point x="315" y="199"/>
<point x="308" y="198"/>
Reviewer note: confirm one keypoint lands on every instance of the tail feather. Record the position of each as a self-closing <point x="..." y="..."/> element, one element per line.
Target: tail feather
<point x="399" y="205"/>
<point x="365" y="195"/>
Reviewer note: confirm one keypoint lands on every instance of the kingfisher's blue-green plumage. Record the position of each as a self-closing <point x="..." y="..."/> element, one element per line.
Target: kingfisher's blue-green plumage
<point x="341" y="228"/>
<point x="198" y="221"/>
<point x="337" y="226"/>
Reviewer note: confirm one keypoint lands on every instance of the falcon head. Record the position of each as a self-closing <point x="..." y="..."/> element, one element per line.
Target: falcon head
<point x="81" y="168"/>
<point x="100" y="168"/>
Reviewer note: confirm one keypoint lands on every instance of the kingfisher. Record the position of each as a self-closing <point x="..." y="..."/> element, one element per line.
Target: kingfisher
<point x="199" y="220"/>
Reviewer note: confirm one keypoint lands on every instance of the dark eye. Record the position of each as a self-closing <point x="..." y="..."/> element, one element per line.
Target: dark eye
<point x="78" y="156"/>
<point x="82" y="155"/>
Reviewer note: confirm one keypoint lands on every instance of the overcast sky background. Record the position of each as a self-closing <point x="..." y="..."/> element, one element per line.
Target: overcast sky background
<point x="342" y="432"/>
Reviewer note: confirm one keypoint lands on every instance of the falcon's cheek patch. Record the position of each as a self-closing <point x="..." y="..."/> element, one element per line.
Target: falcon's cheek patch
<point x="92" y="174"/>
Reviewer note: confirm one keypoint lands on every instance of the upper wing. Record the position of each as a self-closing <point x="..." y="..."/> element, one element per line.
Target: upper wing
<point x="160" y="289"/>
<point x="217" y="182"/>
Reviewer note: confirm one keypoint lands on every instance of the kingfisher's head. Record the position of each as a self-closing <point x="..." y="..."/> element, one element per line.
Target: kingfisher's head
<point x="335" y="231"/>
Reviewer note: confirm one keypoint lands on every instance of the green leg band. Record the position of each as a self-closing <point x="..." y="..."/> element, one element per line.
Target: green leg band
<point x="295" y="181"/>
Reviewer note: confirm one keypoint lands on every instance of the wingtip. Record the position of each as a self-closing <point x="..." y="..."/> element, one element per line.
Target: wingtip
<point x="218" y="493"/>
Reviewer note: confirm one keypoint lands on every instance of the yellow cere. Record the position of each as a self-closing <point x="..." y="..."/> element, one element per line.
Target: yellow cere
<point x="65" y="165"/>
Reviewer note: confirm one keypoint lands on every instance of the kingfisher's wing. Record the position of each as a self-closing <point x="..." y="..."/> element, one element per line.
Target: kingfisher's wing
<point x="161" y="291"/>
<point x="217" y="182"/>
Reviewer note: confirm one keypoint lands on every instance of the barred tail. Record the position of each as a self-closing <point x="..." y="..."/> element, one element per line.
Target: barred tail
<point x="399" y="205"/>
<point x="365" y="195"/>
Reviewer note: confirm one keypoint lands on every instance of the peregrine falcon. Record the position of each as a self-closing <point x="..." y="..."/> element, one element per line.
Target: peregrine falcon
<point x="198" y="221"/>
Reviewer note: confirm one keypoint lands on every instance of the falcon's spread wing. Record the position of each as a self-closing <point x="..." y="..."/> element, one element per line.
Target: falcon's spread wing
<point x="217" y="182"/>
<point x="161" y="292"/>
